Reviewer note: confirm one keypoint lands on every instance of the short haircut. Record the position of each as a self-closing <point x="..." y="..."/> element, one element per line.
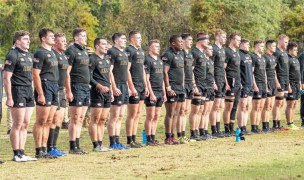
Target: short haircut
<point x="201" y="36"/>
<point x="19" y="34"/>
<point x="153" y="41"/>
<point x="283" y="36"/>
<point x="269" y="42"/>
<point x="77" y="31"/>
<point x="291" y="45"/>
<point x="59" y="34"/>
<point x="97" y="41"/>
<point x="243" y="41"/>
<point x="132" y="33"/>
<point x="258" y="42"/>
<point x="233" y="35"/>
<point x="173" y="38"/>
<point x="219" y="32"/>
<point x="117" y="35"/>
<point x="185" y="35"/>
<point x="43" y="32"/>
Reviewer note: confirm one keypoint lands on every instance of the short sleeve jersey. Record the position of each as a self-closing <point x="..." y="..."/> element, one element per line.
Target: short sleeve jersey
<point x="79" y="60"/>
<point x="136" y="57"/>
<point x="62" y="68"/>
<point x="19" y="63"/>
<point x="47" y="62"/>
<point x="218" y="58"/>
<point x="270" y="67"/>
<point x="282" y="68"/>
<point x="301" y="61"/>
<point x="119" y="60"/>
<point x="154" y="67"/>
<point x="99" y="70"/>
<point x="210" y="73"/>
<point x="200" y="63"/>
<point x="175" y="61"/>
<point x="259" y="65"/>
<point x="294" y="70"/>
<point x="233" y="62"/>
<point x="188" y="65"/>
<point x="246" y="68"/>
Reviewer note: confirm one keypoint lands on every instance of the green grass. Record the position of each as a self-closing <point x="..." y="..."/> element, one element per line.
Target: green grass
<point x="265" y="156"/>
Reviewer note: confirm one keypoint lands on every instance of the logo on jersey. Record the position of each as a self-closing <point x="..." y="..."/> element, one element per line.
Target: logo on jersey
<point x="60" y="58"/>
<point x="79" y="54"/>
<point x="22" y="59"/>
<point x="100" y="62"/>
<point x="7" y="62"/>
<point x="164" y="58"/>
<point x="36" y="60"/>
<point x="119" y="54"/>
<point x="30" y="59"/>
<point x="128" y="54"/>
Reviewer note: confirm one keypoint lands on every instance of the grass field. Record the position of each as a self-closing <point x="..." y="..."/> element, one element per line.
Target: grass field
<point x="277" y="155"/>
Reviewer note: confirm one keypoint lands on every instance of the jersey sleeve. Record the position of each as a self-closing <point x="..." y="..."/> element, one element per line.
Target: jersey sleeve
<point x="227" y="59"/>
<point x="130" y="54"/>
<point x="254" y="63"/>
<point x="111" y="54"/>
<point x="147" y="66"/>
<point x="10" y="62"/>
<point x="39" y="58"/>
<point x="167" y="59"/>
<point x="92" y="66"/>
<point x="70" y="54"/>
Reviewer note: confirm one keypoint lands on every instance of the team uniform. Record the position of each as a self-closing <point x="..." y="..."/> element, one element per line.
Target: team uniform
<point x="154" y="67"/>
<point x="137" y="57"/>
<point x="176" y="74"/>
<point x="294" y="78"/>
<point x="120" y="60"/>
<point x="233" y="72"/>
<point x="218" y="58"/>
<point x="259" y="65"/>
<point x="20" y="63"/>
<point x="271" y="74"/>
<point x="282" y="69"/>
<point x="62" y="68"/>
<point x="246" y="74"/>
<point x="209" y="80"/>
<point x="99" y="70"/>
<point x="80" y="76"/>
<point x="188" y="62"/>
<point x="47" y="62"/>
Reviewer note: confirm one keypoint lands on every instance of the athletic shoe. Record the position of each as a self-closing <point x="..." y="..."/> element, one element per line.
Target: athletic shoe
<point x="293" y="127"/>
<point x="133" y="145"/>
<point x="97" y="149"/>
<point x="138" y="144"/>
<point x="48" y="156"/>
<point x="246" y="133"/>
<point x="104" y="149"/>
<point x="171" y="141"/>
<point x="226" y="134"/>
<point x="115" y="147"/>
<point x="2" y="162"/>
<point x="123" y="146"/>
<point x="175" y="141"/>
<point x="195" y="138"/>
<point x="218" y="134"/>
<point x="182" y="140"/>
<point x="28" y="158"/>
<point x="151" y="143"/>
<point x="19" y="158"/>
<point x="83" y="151"/>
<point x="282" y="128"/>
<point x="62" y="153"/>
<point x="75" y="151"/>
<point x="54" y="153"/>
<point x="203" y="137"/>
<point x="156" y="142"/>
<point x="188" y="140"/>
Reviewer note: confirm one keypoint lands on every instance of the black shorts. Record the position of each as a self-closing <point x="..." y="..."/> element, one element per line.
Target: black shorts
<point x="62" y="98"/>
<point x="202" y="90"/>
<point x="81" y="95"/>
<point x="246" y="91"/>
<point x="272" y="89"/>
<point x="284" y="85"/>
<point x="50" y="92"/>
<point x="235" y="87"/>
<point x="189" y="90"/>
<point x="23" y="96"/>
<point x="209" y="94"/>
<point x="177" y="98"/>
<point x="295" y="95"/>
<point x="98" y="99"/>
<point x="123" y="98"/>
<point x="159" y="100"/>
<point x="141" y="94"/>
<point x="262" y="91"/>
<point x="221" y="87"/>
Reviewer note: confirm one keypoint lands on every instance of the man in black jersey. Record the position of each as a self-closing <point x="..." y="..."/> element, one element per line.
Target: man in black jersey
<point x="45" y="78"/>
<point x="247" y="82"/>
<point x="18" y="87"/>
<point x="59" y="48"/>
<point x="155" y="86"/>
<point x="188" y="70"/>
<point x="294" y="85"/>
<point x="259" y="86"/>
<point x="199" y="87"/>
<point x="119" y="78"/>
<point x="271" y="85"/>
<point x="77" y="87"/>
<point x="301" y="60"/>
<point x="282" y="80"/>
<point x="233" y="81"/>
<point x="174" y="83"/>
<point x="218" y="58"/>
<point x="101" y="96"/>
<point x="137" y="86"/>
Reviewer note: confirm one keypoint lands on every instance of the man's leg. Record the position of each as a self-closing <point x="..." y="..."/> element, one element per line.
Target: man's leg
<point x="9" y="120"/>
<point x="170" y="110"/>
<point x="114" y="114"/>
<point x="150" y="111"/>
<point x="95" y="113"/>
<point x="136" y="121"/>
<point x="193" y="117"/>
<point x="276" y="112"/>
<point x="16" y="133"/>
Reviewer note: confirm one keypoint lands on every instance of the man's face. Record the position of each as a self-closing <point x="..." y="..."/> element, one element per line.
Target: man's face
<point x="272" y="47"/>
<point x="283" y="43"/>
<point x="222" y="38"/>
<point x="236" y="41"/>
<point x="136" y="40"/>
<point x="187" y="43"/>
<point x="155" y="48"/>
<point x="293" y="52"/>
<point x="49" y="39"/>
<point x="209" y="51"/>
<point x="205" y="43"/>
<point x="60" y="43"/>
<point x="121" y="41"/>
<point x="102" y="47"/>
<point x="245" y="46"/>
<point x="260" y="48"/>
<point x="178" y="44"/>
<point x="81" y="38"/>
<point x="24" y="42"/>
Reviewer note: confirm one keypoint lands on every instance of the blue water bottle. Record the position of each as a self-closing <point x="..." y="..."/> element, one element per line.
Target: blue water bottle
<point x="144" y="137"/>
<point x="238" y="135"/>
